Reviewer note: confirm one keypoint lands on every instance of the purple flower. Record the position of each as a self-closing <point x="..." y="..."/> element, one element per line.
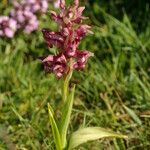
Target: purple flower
<point x="31" y="25"/>
<point x="37" y="5"/>
<point x="53" y="38"/>
<point x="25" y="18"/>
<point x="81" y="59"/>
<point x="7" y="26"/>
<point x="67" y="39"/>
<point x="55" y="64"/>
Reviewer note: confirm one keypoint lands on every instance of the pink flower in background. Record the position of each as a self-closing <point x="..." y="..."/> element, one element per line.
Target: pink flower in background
<point x="37" y="5"/>
<point x="24" y="13"/>
<point x="23" y="16"/>
<point x="26" y="20"/>
<point x="67" y="39"/>
<point x="33" y="6"/>
<point x="32" y="25"/>
<point x="8" y="26"/>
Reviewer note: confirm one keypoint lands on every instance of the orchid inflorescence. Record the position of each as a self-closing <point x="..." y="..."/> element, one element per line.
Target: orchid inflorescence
<point x="67" y="39"/>
<point x="22" y="16"/>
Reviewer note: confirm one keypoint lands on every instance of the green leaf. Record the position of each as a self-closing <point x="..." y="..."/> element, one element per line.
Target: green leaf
<point x="64" y="123"/>
<point x="89" y="134"/>
<point x="133" y="115"/>
<point x="55" y="130"/>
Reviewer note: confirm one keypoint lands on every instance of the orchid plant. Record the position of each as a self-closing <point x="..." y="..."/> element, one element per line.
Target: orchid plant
<point x="69" y="58"/>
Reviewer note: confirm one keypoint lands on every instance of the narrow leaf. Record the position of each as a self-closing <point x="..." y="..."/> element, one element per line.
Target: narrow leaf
<point x="133" y="115"/>
<point x="55" y="130"/>
<point x="89" y="134"/>
<point x="17" y="114"/>
<point x="66" y="117"/>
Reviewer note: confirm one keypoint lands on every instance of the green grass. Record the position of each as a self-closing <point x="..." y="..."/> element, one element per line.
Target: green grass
<point x="115" y="78"/>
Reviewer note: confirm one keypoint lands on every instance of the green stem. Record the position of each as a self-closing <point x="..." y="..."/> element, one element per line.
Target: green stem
<point x="68" y="97"/>
<point x="66" y="83"/>
<point x="66" y="86"/>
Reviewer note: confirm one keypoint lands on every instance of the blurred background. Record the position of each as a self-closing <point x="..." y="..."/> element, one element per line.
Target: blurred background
<point x="112" y="92"/>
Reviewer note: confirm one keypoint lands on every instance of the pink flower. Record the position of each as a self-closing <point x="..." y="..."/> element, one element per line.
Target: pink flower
<point x="55" y="64"/>
<point x="8" y="26"/>
<point x="53" y="38"/>
<point x="25" y="18"/>
<point x="81" y="59"/>
<point x="67" y="39"/>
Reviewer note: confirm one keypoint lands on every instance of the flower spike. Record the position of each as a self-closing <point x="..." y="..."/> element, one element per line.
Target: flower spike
<point x="67" y="39"/>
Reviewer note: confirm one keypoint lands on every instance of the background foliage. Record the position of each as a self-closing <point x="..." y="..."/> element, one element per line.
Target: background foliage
<point x="112" y="92"/>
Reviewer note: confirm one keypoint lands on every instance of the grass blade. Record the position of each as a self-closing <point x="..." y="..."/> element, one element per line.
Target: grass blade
<point x="133" y="115"/>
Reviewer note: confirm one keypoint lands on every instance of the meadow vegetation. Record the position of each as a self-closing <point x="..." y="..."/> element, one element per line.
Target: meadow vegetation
<point x="113" y="91"/>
